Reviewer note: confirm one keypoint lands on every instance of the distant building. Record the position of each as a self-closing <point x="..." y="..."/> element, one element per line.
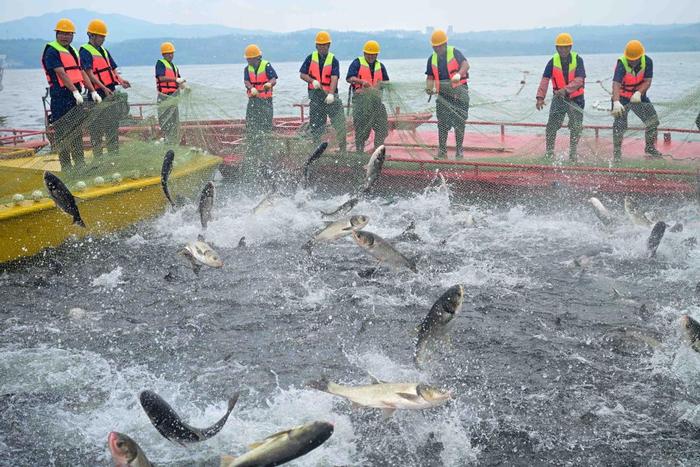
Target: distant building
<point x="450" y="30"/>
<point x="429" y="30"/>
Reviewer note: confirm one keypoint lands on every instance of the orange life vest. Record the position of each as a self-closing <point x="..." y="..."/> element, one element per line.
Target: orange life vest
<point x="101" y="65"/>
<point x="558" y="78"/>
<point x="171" y="71"/>
<point x="452" y="69"/>
<point x="258" y="79"/>
<point x="322" y="75"/>
<point x="632" y="81"/>
<point x="71" y="64"/>
<point x="365" y="73"/>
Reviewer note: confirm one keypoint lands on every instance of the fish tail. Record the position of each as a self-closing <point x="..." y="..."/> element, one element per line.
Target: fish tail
<point x="319" y="384"/>
<point x="232" y="401"/>
<point x="78" y="221"/>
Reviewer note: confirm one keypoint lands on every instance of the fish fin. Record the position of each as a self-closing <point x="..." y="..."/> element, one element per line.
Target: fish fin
<point x="374" y="379"/>
<point x="200" y="237"/>
<point x="308" y="246"/>
<point x="196" y="268"/>
<point x="78" y="199"/>
<point x="388" y="413"/>
<point x="79" y="221"/>
<point x="348" y="229"/>
<point x="408" y="396"/>
<point x="226" y="460"/>
<point x="320" y="384"/>
<point x="270" y="438"/>
<point x="241" y="242"/>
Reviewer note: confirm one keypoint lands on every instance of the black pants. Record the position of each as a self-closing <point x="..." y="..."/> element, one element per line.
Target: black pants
<point x="68" y="119"/>
<point x="560" y="108"/>
<point x="369" y="113"/>
<point x="697" y="122"/>
<point x="452" y="111"/>
<point x="258" y="125"/>
<point x="319" y="111"/>
<point x="103" y="122"/>
<point x="169" y="117"/>
<point x="646" y="113"/>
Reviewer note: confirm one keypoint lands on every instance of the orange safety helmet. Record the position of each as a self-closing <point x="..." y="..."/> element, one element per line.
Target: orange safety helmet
<point x="323" y="37"/>
<point x="634" y="50"/>
<point x="252" y="51"/>
<point x="371" y="47"/>
<point x="439" y="37"/>
<point x="97" y="26"/>
<point x="167" y="48"/>
<point x="564" y="39"/>
<point x="65" y="25"/>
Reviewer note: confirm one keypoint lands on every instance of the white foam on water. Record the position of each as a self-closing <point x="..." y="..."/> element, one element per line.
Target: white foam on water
<point x="109" y="280"/>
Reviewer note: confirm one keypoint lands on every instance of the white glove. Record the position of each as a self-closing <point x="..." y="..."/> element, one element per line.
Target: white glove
<point x="96" y="97"/>
<point x="456" y="77"/>
<point x="179" y="80"/>
<point x="617" y="109"/>
<point x="253" y="92"/>
<point x="315" y="84"/>
<point x="267" y="86"/>
<point x="636" y="97"/>
<point x="78" y="97"/>
<point x="330" y="98"/>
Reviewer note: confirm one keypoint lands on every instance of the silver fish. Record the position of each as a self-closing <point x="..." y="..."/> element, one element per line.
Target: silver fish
<point x="206" y="202"/>
<point x="657" y="233"/>
<point x="126" y="452"/>
<point x="692" y="331"/>
<point x="343" y="209"/>
<point x="337" y="229"/>
<point x="165" y="171"/>
<point x="601" y="211"/>
<point x="316" y="154"/>
<point x="64" y="199"/>
<point x="633" y="213"/>
<point x="374" y="168"/>
<point x="382" y="250"/>
<point x="266" y="203"/>
<point x="201" y="254"/>
<point x="436" y="323"/>
<point x="282" y="447"/>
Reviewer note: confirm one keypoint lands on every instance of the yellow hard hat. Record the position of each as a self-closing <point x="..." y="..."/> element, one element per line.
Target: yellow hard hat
<point x="167" y="48"/>
<point x="65" y="25"/>
<point x="97" y="26"/>
<point x="634" y="50"/>
<point x="439" y="37"/>
<point x="252" y="51"/>
<point x="564" y="39"/>
<point x="371" y="47"/>
<point x="323" y="37"/>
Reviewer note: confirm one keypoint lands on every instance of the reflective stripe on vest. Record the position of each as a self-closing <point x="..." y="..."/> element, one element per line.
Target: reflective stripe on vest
<point x="171" y="71"/>
<point x="323" y="76"/>
<point x="71" y="64"/>
<point x="258" y="80"/>
<point x="101" y="65"/>
<point x="631" y="81"/>
<point x="365" y="73"/>
<point x="559" y="81"/>
<point x="452" y="69"/>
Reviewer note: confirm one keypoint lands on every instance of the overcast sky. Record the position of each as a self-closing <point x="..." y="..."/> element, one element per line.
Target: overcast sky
<point x="278" y="15"/>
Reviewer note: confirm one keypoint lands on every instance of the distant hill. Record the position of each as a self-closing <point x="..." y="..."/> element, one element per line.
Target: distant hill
<point x="395" y="44"/>
<point x="120" y="27"/>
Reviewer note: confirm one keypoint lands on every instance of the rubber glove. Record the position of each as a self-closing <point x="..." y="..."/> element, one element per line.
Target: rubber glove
<point x="617" y="109"/>
<point x="253" y="92"/>
<point x="456" y="77"/>
<point x="429" y="91"/>
<point x="180" y="80"/>
<point x="636" y="97"/>
<point x="96" y="97"/>
<point x="315" y="84"/>
<point x="267" y="86"/>
<point x="330" y="98"/>
<point x="539" y="103"/>
<point x="78" y="97"/>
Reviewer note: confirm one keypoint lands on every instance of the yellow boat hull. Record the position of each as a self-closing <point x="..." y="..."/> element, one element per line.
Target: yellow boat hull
<point x="28" y="227"/>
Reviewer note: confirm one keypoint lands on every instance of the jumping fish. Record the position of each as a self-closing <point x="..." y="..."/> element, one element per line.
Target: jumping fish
<point x="201" y="254"/>
<point x="382" y="250"/>
<point x="266" y="203"/>
<point x="408" y="235"/>
<point x="387" y="396"/>
<point x="657" y="233"/>
<point x="206" y="202"/>
<point x="343" y="209"/>
<point x="692" y="331"/>
<point x="374" y="168"/>
<point x="633" y="213"/>
<point x="335" y="230"/>
<point x="436" y="323"/>
<point x="63" y="198"/>
<point x="316" y="154"/>
<point x="601" y="211"/>
<point x="165" y="174"/>
<point x="125" y="451"/>
<point x="170" y="425"/>
<point x="282" y="447"/>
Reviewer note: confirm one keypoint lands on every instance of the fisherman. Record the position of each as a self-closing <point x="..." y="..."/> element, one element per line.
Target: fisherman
<point x="321" y="70"/>
<point x="169" y="83"/>
<point x="101" y="68"/>
<point x="366" y="76"/>
<point x="447" y="74"/>
<point x="567" y="89"/>
<point x="632" y="80"/>
<point x="697" y="121"/>
<point x="259" y="78"/>
<point x="61" y="64"/>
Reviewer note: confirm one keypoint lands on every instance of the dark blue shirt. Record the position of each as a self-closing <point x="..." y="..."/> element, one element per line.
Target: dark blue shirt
<point x="442" y="65"/>
<point x="86" y="59"/>
<point x="52" y="59"/>
<point x="269" y="71"/>
<point x="160" y="69"/>
<point x="620" y="70"/>
<point x="355" y="69"/>
<point x="579" y="73"/>
<point x="335" y="67"/>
